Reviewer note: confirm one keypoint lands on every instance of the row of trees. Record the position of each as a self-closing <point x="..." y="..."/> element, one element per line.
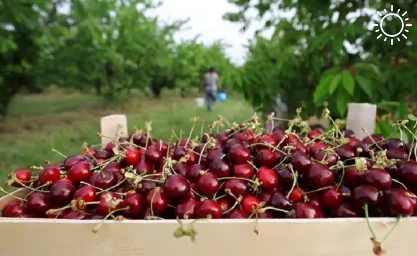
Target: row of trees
<point x="108" y="46"/>
<point x="326" y="54"/>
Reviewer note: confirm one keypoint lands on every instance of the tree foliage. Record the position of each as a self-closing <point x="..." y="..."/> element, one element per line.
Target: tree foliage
<point x="326" y="54"/>
<point x="107" y="45"/>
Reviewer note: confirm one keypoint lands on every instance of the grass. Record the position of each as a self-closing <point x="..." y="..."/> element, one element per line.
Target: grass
<point x="39" y="123"/>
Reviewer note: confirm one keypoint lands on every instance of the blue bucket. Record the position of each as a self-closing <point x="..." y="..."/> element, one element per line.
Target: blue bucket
<point x="221" y="96"/>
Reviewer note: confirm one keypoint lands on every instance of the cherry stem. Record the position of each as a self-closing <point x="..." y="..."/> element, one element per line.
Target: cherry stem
<point x="341" y="178"/>
<point x="195" y="192"/>
<point x="31" y="188"/>
<point x="251" y="164"/>
<point x="374" y="142"/>
<point x="399" y="182"/>
<point x="202" y="129"/>
<point x="59" y="153"/>
<point x="273" y="209"/>
<point x="317" y="190"/>
<point x="110" y="188"/>
<point x="88" y="184"/>
<point x="367" y="220"/>
<point x="152" y="180"/>
<point x="238" y="178"/>
<point x="50" y="211"/>
<point x="153" y="198"/>
<point x="11" y="195"/>
<point x="294" y="182"/>
<point x="231" y="208"/>
<point x="202" y="150"/>
<point x="96" y="228"/>
<point x="191" y="131"/>
<point x="395" y="226"/>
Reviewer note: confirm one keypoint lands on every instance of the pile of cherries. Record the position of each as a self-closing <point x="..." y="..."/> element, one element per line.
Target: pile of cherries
<point x="243" y="172"/>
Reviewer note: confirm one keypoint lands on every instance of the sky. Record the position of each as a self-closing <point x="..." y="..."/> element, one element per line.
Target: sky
<point x="206" y="19"/>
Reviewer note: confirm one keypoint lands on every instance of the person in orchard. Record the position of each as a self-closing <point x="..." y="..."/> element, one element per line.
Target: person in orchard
<point x="209" y="82"/>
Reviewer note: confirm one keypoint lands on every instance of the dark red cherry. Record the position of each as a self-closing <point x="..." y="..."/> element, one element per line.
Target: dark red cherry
<point x="331" y="198"/>
<point x="70" y="161"/>
<point x="221" y="168"/>
<point x="143" y="167"/>
<point x="145" y="186"/>
<point x="209" y="209"/>
<point x="365" y="194"/>
<point x="349" y="134"/>
<point x="187" y="208"/>
<point x="214" y="154"/>
<point x="157" y="199"/>
<point x="278" y="200"/>
<point x="285" y="177"/>
<point x="153" y="155"/>
<point x="245" y="171"/>
<point x="307" y="211"/>
<point x="108" y="201"/>
<point x="104" y="154"/>
<point x="208" y="184"/>
<point x="103" y="180"/>
<point x="61" y="192"/>
<point x="132" y="156"/>
<point x="315" y="133"/>
<point x="379" y="178"/>
<point x="352" y="142"/>
<point x="328" y="158"/>
<point x="345" y="153"/>
<point x="361" y="149"/>
<point x="245" y="136"/>
<point x="225" y="204"/>
<point x="70" y="214"/>
<point x="344" y="211"/>
<point x="38" y="203"/>
<point x="397" y="153"/>
<point x="177" y="187"/>
<point x="182" y="169"/>
<point x="236" y="187"/>
<point x="395" y="143"/>
<point x="409" y="173"/>
<point x="194" y="173"/>
<point x="398" y="202"/>
<point x="135" y="202"/>
<point x="237" y="214"/>
<point x="14" y="209"/>
<point x="300" y="161"/>
<point x="265" y="157"/>
<point x="86" y="193"/>
<point x="319" y="176"/>
<point x="352" y="176"/>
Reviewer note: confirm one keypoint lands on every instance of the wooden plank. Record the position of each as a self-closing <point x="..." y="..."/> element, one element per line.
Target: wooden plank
<point x="113" y="127"/>
<point x="361" y="116"/>
<point x="325" y="237"/>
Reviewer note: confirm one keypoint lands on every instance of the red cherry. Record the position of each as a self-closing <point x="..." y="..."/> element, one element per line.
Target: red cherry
<point x="345" y="153"/>
<point x="182" y="169"/>
<point x="245" y="136"/>
<point x="177" y="187"/>
<point x="187" y="208"/>
<point x="365" y="194"/>
<point x="214" y="154"/>
<point x="145" y="186"/>
<point x="307" y="211"/>
<point x="239" y="155"/>
<point x="157" y="199"/>
<point x="14" y="209"/>
<point x="108" y="201"/>
<point x="268" y="178"/>
<point x="265" y="157"/>
<point x="330" y="159"/>
<point x="21" y="175"/>
<point x="352" y="142"/>
<point x="49" y="174"/>
<point x="331" y="198"/>
<point x="279" y="135"/>
<point x="352" y="176"/>
<point x="194" y="172"/>
<point x="86" y="193"/>
<point x="70" y="214"/>
<point x="225" y="204"/>
<point x="208" y="184"/>
<point x="398" y="202"/>
<point x="38" y="203"/>
<point x="315" y="133"/>
<point x="296" y="194"/>
<point x="79" y="172"/>
<point x="245" y="171"/>
<point x="409" y="173"/>
<point x="250" y="203"/>
<point x="266" y="139"/>
<point x="210" y="209"/>
<point x="132" y="156"/>
<point x="221" y="138"/>
<point x="286" y="178"/>
<point x="278" y="200"/>
<point x="135" y="203"/>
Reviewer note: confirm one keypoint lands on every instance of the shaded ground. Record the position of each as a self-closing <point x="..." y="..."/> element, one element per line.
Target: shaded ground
<point x="38" y="123"/>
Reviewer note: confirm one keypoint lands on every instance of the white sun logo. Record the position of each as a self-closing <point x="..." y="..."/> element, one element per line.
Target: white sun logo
<point x="403" y="29"/>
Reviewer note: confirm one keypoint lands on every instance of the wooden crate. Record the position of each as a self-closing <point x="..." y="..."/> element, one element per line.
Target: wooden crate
<point x="288" y="237"/>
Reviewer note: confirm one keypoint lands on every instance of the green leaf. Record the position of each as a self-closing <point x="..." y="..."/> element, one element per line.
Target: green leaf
<point x="348" y="82"/>
<point x="342" y="101"/>
<point x="365" y="85"/>
<point x="321" y="91"/>
<point x="334" y="83"/>
<point x="412" y="117"/>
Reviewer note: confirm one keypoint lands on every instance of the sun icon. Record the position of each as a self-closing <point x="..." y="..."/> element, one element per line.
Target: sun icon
<point x="382" y="33"/>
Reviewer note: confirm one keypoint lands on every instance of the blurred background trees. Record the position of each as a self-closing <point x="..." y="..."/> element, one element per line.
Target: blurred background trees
<point x="325" y="53"/>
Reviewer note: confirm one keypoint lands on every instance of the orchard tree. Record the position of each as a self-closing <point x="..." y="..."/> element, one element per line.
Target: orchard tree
<point x="326" y="54"/>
